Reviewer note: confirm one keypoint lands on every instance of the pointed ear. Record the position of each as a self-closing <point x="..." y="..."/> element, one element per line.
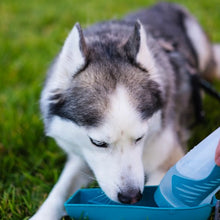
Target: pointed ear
<point x="137" y="48"/>
<point x="73" y="56"/>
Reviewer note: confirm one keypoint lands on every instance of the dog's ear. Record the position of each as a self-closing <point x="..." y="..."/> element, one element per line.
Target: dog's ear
<point x="137" y="48"/>
<point x="73" y="56"/>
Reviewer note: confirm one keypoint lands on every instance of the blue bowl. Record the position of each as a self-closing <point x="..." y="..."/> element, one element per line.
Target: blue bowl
<point x="93" y="204"/>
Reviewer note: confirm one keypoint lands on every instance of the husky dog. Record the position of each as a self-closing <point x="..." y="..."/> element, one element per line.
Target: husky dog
<point x="119" y="101"/>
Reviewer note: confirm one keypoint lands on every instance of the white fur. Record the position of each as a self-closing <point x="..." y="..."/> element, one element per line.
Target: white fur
<point x="157" y="151"/>
<point x="68" y="135"/>
<point x="199" y="41"/>
<point x="70" y="60"/>
<point x="145" y="56"/>
<point x="71" y="138"/>
<point x="70" y="180"/>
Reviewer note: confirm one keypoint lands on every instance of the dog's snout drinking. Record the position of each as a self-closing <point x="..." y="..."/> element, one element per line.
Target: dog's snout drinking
<point x="130" y="196"/>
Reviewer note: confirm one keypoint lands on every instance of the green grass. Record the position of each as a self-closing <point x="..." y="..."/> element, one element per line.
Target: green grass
<point x="32" y="32"/>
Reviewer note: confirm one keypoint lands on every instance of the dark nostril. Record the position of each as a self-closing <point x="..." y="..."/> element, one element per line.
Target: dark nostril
<point x="123" y="198"/>
<point x="130" y="197"/>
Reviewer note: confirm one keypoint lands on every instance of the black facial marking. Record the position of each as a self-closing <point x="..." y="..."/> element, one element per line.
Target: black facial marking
<point x="77" y="107"/>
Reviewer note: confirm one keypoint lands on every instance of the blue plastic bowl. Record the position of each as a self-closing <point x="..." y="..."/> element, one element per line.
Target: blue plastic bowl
<point x="93" y="204"/>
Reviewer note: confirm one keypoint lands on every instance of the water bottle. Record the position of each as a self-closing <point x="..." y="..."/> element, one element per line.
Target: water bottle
<point x="194" y="179"/>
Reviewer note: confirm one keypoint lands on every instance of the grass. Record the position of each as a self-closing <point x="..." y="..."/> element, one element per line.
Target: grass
<point x="32" y="32"/>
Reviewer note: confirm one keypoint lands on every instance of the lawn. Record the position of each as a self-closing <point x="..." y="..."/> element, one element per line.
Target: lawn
<point x="32" y="32"/>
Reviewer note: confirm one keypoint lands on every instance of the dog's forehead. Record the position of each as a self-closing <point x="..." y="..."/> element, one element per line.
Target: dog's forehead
<point x="121" y="118"/>
<point x="109" y="76"/>
<point x="115" y="90"/>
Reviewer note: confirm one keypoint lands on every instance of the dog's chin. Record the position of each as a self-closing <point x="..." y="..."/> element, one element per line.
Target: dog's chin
<point x="112" y="195"/>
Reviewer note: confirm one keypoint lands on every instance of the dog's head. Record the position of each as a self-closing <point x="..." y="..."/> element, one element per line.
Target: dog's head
<point x="101" y="100"/>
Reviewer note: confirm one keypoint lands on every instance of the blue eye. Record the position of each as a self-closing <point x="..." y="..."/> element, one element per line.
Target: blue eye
<point x="99" y="143"/>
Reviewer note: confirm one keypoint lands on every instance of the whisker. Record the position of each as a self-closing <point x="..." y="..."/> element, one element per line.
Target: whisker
<point x="87" y="175"/>
<point x="101" y="197"/>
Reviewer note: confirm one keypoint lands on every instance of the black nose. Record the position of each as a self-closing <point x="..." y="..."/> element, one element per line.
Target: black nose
<point x="130" y="196"/>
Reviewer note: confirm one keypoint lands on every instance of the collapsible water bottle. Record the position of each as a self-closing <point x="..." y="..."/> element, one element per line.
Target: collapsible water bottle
<point x="194" y="179"/>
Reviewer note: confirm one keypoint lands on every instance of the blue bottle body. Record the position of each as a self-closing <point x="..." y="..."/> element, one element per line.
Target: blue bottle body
<point x="194" y="179"/>
<point x="185" y="191"/>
